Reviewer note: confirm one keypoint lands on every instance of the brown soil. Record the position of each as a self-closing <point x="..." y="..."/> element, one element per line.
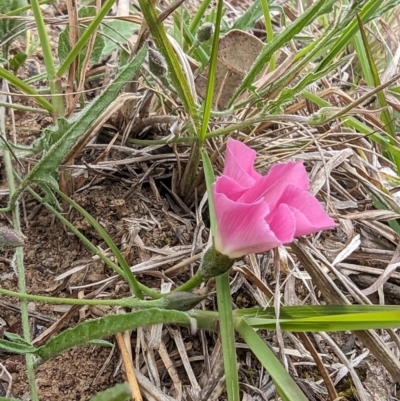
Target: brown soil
<point x="51" y="250"/>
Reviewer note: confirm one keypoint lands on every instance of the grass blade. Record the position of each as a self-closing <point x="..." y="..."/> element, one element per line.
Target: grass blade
<point x="386" y="116"/>
<point x="349" y="31"/>
<point x="83" y="40"/>
<point x="279" y="41"/>
<point x="164" y="46"/>
<point x="13" y="80"/>
<point x="285" y="385"/>
<point x="211" y="75"/>
<point x="54" y="82"/>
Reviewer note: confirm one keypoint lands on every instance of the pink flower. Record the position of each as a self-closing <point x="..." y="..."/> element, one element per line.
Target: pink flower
<point x="256" y="213"/>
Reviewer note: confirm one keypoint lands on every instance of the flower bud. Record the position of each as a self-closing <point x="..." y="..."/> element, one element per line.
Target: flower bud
<point x="9" y="239"/>
<point x="205" y="32"/>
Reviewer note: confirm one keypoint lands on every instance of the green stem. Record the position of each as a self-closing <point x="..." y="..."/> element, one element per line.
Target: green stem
<point x="25" y="88"/>
<point x="193" y="282"/>
<point x="212" y="72"/>
<point x="198" y="16"/>
<point x="19" y="261"/>
<point x="54" y="83"/>
<point x="227" y="336"/>
<point x="269" y="30"/>
<point x="123" y="302"/>
<point x="23" y="108"/>
<point x="285" y="385"/>
<point x="20" y="10"/>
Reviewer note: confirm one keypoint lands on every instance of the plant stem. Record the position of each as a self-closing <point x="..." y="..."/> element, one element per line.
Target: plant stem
<point x="83" y="40"/>
<point x="123" y="302"/>
<point x="23" y="108"/>
<point x="227" y="336"/>
<point x="19" y="261"/>
<point x="193" y="282"/>
<point x="268" y="29"/>
<point x="54" y="82"/>
<point x="20" y="10"/>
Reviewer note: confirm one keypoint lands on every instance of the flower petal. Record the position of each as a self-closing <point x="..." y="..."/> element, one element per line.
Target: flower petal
<point x="229" y="187"/>
<point x="283" y="223"/>
<point x="242" y="228"/>
<point x="239" y="163"/>
<point x="308" y="211"/>
<point x="274" y="183"/>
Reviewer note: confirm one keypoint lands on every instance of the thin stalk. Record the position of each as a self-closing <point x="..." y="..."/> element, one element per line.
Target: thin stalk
<point x="23" y="108"/>
<point x="212" y="72"/>
<point x="20" y="10"/>
<point x="193" y="282"/>
<point x="54" y="81"/>
<point x="20" y="84"/>
<point x="19" y="261"/>
<point x="227" y="335"/>
<point x="83" y="40"/>
<point x="123" y="302"/>
<point x="268" y="29"/>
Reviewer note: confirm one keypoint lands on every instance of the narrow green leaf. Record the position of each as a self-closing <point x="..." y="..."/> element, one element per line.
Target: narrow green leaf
<point x="201" y="10"/>
<point x="114" y="249"/>
<point x="268" y="29"/>
<point x="64" y="46"/>
<point x="349" y="30"/>
<point x="386" y="6"/>
<point x="288" y="94"/>
<point x="106" y="326"/>
<point x="363" y="59"/>
<point x="16" y="347"/>
<point x="190" y="40"/>
<point x="25" y="88"/>
<point x="120" y="392"/>
<point x="212" y="72"/>
<point x="227" y="336"/>
<point x="26" y="8"/>
<point x="386" y="116"/>
<point x="174" y="68"/>
<point x="315" y="311"/>
<point x="285" y="385"/>
<point x="18" y="61"/>
<point x="55" y="85"/>
<point x="325" y="318"/>
<point x="394" y="225"/>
